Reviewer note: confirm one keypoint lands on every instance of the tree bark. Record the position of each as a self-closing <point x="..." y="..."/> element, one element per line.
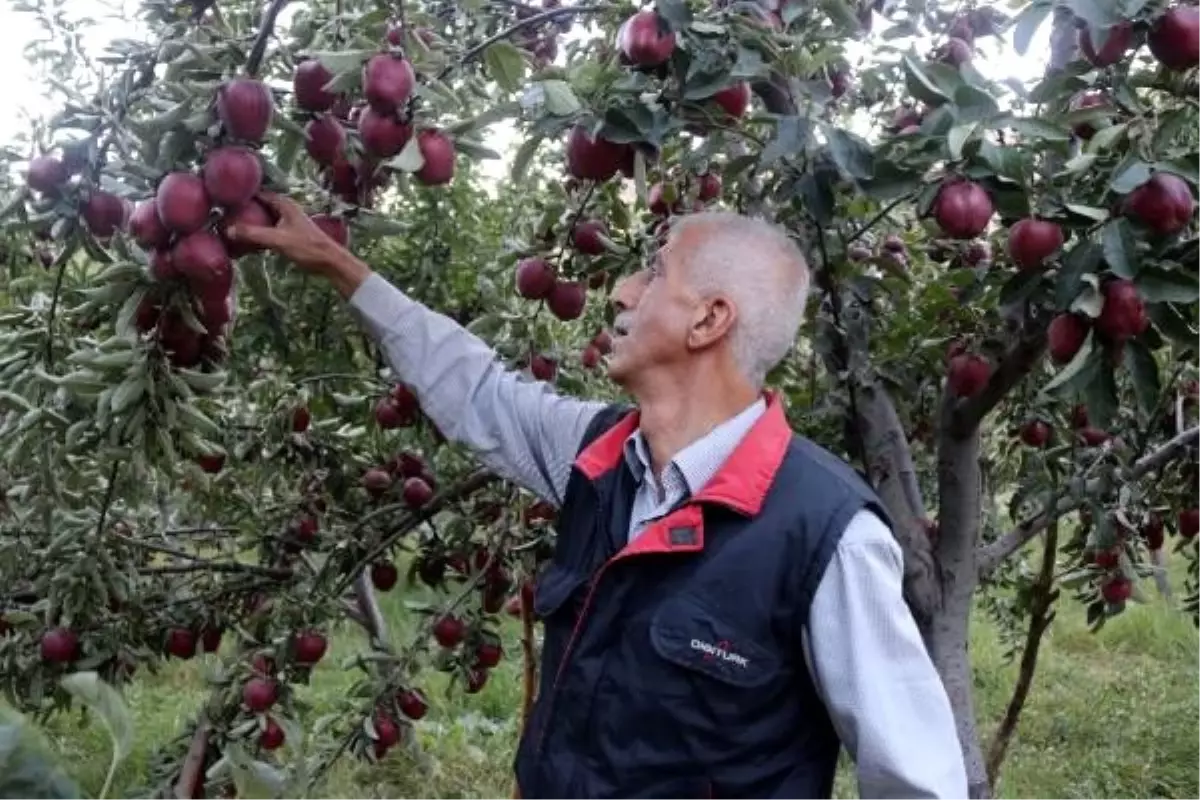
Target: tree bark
<point x="959" y="513"/>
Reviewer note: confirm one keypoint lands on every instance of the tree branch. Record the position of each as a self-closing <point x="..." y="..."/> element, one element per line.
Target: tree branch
<point x="191" y="774"/>
<point x="992" y="555"/>
<point x="368" y="607"/>
<point x="459" y="491"/>
<point x="875" y="220"/>
<point x="474" y="52"/>
<point x="1041" y="614"/>
<point x="1014" y="366"/>
<point x="259" y="49"/>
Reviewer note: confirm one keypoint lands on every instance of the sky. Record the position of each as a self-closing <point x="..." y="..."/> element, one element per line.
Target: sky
<point x="24" y="94"/>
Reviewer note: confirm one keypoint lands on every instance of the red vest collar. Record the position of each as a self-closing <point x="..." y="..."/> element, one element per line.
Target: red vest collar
<point x="742" y="481"/>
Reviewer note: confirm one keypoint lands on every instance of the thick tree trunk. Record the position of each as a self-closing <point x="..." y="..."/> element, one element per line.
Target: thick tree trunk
<point x="959" y="518"/>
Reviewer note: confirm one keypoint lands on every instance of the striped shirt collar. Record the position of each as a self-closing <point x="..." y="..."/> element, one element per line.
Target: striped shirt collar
<point x="702" y="459"/>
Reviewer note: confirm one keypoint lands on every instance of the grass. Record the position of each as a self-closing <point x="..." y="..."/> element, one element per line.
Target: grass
<point x="1113" y="714"/>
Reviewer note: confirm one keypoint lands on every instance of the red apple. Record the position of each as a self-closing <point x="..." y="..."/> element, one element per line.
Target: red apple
<point x="1035" y="433"/>
<point x="962" y="209"/>
<point x="968" y="374"/>
<point x="309" y="647"/>
<point x="645" y="39"/>
<point x="259" y="694"/>
<point x="1164" y="204"/>
<point x="1175" y="38"/>
<point x="1124" y="314"/>
<point x="449" y="631"/>
<point x="1189" y="523"/>
<point x="1066" y="334"/>
<point x="1031" y="241"/>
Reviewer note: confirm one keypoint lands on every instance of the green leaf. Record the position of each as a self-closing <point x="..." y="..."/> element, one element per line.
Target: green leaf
<point x="1100" y="393"/>
<point x="524" y="155"/>
<point x="560" y="98"/>
<point x="1145" y="375"/>
<point x="675" y="12"/>
<point x="1130" y="175"/>
<point x="1074" y="367"/>
<point x="1168" y="319"/>
<point x="1091" y="212"/>
<point x="1157" y="285"/>
<point x="1037" y="128"/>
<point x="791" y="136"/>
<point x="129" y="393"/>
<point x="475" y="150"/>
<point x="851" y="153"/>
<point x="1020" y="286"/>
<point x="105" y="702"/>
<point x="1097" y="13"/>
<point x="347" y="82"/>
<point x="1120" y="248"/>
<point x="409" y="159"/>
<point x="27" y="767"/>
<point x="959" y="135"/>
<point x="1026" y="24"/>
<point x="1089" y="301"/>
<point x="339" y="61"/>
<point x="492" y="115"/>
<point x="505" y="64"/>
<point x="1105" y="138"/>
<point x="920" y="85"/>
<point x="1081" y="259"/>
<point x="1080" y="163"/>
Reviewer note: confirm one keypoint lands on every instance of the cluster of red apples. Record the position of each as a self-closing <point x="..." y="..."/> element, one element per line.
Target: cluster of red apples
<point x="382" y="121"/>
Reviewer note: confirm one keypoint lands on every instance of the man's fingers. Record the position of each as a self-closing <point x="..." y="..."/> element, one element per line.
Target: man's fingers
<point x="272" y="238"/>
<point x="284" y="207"/>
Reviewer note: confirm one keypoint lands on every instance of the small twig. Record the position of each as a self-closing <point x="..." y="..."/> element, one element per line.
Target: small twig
<point x="278" y="573"/>
<point x="875" y="220"/>
<point x="58" y="282"/>
<point x="474" y="52"/>
<point x="264" y="33"/>
<point x="108" y="496"/>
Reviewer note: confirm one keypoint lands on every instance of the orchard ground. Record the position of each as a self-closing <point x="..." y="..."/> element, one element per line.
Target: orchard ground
<point x="1111" y="714"/>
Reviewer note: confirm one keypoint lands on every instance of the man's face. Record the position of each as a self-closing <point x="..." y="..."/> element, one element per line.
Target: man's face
<point x="655" y="309"/>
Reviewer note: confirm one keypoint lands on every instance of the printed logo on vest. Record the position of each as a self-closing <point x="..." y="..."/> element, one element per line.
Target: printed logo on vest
<point x="720" y="650"/>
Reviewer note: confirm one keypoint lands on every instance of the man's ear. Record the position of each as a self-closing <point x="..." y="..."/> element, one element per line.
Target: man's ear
<point x="713" y="320"/>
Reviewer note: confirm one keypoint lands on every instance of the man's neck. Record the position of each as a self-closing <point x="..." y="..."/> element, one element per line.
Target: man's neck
<point x="671" y="422"/>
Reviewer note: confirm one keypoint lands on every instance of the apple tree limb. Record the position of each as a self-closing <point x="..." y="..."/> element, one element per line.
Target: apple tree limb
<point x="994" y="554"/>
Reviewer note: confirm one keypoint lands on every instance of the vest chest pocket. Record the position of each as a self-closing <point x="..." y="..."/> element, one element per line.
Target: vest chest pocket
<point x="688" y="635"/>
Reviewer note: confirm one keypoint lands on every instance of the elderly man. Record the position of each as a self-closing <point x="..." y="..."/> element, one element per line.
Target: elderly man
<point x="723" y="610"/>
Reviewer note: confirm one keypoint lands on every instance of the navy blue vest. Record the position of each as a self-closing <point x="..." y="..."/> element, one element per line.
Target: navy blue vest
<point x="672" y="665"/>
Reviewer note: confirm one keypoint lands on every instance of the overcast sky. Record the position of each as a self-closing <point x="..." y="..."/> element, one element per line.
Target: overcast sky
<point x="25" y="96"/>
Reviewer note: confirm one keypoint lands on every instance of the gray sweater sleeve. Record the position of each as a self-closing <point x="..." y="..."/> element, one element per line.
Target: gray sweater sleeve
<point x="518" y="427"/>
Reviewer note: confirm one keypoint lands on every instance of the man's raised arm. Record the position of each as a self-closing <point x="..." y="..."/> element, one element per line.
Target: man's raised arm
<point x="521" y="429"/>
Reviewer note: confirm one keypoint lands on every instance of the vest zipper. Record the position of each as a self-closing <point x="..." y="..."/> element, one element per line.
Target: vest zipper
<point x="562" y="665"/>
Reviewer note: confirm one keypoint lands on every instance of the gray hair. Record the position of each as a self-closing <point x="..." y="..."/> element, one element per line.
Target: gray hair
<point x="763" y="271"/>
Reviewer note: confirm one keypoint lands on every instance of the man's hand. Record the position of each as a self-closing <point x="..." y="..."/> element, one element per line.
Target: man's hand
<point x="300" y="240"/>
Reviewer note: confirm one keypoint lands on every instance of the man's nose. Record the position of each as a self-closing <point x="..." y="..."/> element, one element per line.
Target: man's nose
<point x="628" y="290"/>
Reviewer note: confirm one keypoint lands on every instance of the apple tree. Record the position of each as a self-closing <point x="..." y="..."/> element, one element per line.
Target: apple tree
<point x="203" y="452"/>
